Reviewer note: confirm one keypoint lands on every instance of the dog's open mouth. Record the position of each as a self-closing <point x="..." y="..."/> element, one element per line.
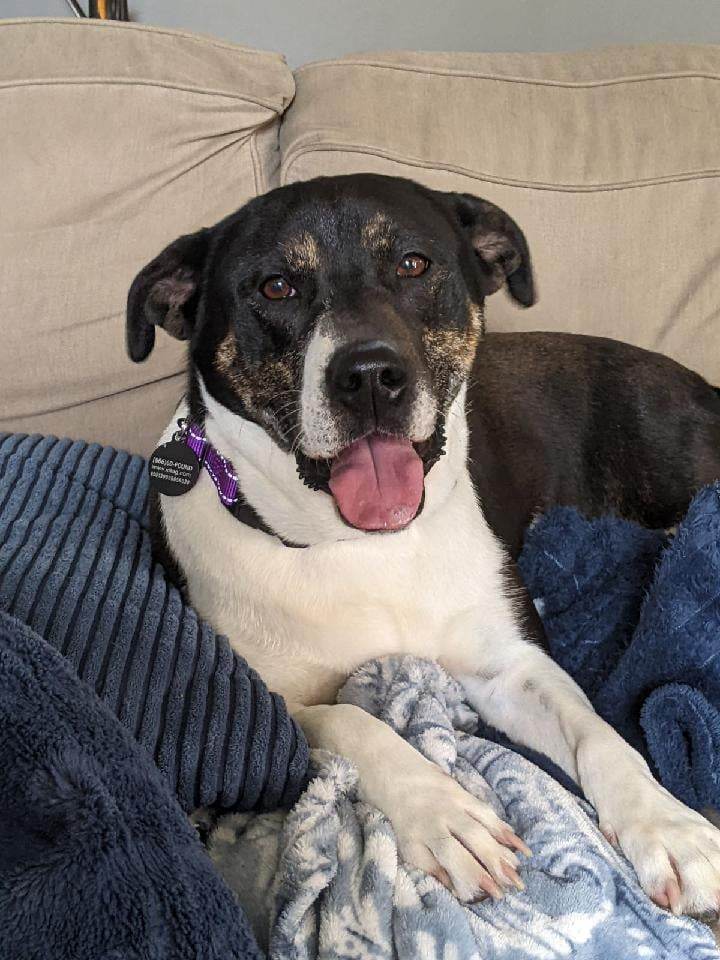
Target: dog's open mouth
<point x="378" y="481"/>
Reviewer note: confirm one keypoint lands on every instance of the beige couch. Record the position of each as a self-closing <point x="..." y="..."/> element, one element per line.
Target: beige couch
<point x="117" y="138"/>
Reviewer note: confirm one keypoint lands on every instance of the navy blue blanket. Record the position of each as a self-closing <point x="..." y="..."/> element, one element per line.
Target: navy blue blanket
<point x="97" y="859"/>
<point x="634" y="616"/>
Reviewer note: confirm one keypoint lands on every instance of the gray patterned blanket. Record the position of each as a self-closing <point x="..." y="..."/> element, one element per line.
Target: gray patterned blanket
<point x="324" y="880"/>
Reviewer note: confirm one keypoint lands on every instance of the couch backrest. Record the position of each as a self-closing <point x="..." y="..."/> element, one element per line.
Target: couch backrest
<point x="115" y="140"/>
<point x="609" y="160"/>
<point x="118" y="138"/>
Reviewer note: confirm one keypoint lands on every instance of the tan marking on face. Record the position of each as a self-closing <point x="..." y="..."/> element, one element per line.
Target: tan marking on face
<point x="302" y="253"/>
<point x="476" y="314"/>
<point x="453" y="348"/>
<point x="450" y="352"/>
<point x="377" y="234"/>
<point x="438" y="278"/>
<point x="226" y="355"/>
<point x="262" y="388"/>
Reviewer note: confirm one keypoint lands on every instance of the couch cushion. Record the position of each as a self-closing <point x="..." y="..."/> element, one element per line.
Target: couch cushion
<point x="609" y="160"/>
<point x="116" y="139"/>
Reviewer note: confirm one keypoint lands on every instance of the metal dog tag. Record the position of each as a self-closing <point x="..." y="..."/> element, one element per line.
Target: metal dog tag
<point x="173" y="468"/>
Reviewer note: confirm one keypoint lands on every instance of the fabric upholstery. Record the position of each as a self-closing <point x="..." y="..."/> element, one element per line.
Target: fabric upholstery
<point x="117" y="138"/>
<point x="608" y="159"/>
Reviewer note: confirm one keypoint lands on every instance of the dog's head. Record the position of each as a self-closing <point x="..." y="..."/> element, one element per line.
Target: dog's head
<point x="342" y="316"/>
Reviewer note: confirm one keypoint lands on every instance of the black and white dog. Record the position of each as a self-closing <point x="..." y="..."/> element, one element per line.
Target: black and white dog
<point x="389" y="456"/>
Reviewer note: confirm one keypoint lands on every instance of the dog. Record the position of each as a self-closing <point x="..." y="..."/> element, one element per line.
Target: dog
<point x="388" y="455"/>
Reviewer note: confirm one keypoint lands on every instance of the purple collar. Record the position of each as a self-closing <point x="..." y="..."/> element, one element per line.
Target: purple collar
<point x="221" y="471"/>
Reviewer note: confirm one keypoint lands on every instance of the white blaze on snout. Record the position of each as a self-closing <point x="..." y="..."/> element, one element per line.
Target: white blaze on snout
<point x="320" y="434"/>
<point x="423" y="414"/>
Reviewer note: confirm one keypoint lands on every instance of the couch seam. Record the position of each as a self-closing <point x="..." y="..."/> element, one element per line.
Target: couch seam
<point x="255" y="160"/>
<point x="294" y="154"/>
<point x="132" y="82"/>
<point x="147" y="28"/>
<point x="89" y="400"/>
<point x="509" y="78"/>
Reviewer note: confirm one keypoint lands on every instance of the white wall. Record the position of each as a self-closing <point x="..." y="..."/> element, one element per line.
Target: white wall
<point x="315" y="29"/>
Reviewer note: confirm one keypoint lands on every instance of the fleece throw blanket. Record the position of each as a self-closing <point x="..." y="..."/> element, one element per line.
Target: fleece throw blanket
<point x="324" y="880"/>
<point x="97" y="859"/>
<point x="634" y="616"/>
<point x="76" y="566"/>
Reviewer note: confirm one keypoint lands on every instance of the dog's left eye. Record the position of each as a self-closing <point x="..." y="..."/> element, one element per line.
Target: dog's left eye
<point x="277" y="288"/>
<point x="412" y="265"/>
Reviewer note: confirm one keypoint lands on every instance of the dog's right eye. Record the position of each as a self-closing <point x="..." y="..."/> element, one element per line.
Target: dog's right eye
<point x="277" y="288"/>
<point x="412" y="265"/>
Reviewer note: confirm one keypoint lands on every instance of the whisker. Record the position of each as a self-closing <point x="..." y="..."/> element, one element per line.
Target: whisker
<point x="291" y="406"/>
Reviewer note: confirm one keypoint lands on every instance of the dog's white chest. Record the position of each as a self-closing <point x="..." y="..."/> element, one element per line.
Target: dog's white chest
<point x="305" y="618"/>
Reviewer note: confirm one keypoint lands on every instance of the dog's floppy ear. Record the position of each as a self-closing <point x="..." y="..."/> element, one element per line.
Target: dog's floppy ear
<point x="164" y="294"/>
<point x="500" y="245"/>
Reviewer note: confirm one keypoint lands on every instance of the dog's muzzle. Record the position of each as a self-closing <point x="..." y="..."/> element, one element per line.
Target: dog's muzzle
<point x="368" y="406"/>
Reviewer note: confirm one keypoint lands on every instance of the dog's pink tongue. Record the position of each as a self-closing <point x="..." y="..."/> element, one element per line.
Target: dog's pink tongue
<point x="377" y="483"/>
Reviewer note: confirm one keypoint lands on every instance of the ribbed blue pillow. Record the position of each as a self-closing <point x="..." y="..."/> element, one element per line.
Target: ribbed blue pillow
<point x="76" y="566"/>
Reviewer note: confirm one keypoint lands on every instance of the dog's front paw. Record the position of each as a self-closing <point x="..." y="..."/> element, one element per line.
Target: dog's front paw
<point x="448" y="833"/>
<point x="675" y="852"/>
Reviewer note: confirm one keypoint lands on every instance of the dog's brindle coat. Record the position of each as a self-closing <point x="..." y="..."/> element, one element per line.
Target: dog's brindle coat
<point x="351" y="306"/>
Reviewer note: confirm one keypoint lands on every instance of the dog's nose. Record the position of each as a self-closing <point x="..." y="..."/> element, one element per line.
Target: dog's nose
<point x="367" y="377"/>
